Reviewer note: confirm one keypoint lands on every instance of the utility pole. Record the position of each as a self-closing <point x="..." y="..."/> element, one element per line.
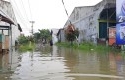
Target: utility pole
<point x="32" y="22"/>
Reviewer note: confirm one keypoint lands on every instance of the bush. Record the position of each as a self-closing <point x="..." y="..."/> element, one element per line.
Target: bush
<point x="26" y="47"/>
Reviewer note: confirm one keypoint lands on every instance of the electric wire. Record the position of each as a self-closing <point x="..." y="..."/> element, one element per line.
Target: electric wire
<point x="19" y="15"/>
<point x="65" y="10"/>
<point x="24" y="11"/>
<point x="18" y="10"/>
<point x="30" y="9"/>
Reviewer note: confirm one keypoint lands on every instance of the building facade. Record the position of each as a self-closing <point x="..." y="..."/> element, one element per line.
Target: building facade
<point x="61" y="35"/>
<point x="93" y="21"/>
<point x="8" y="23"/>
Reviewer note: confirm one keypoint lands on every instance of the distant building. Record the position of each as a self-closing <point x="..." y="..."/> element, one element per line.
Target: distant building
<point x="93" y="21"/>
<point x="54" y="35"/>
<point x="61" y="35"/>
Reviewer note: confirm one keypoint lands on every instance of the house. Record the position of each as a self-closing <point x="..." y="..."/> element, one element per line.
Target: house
<point x="93" y="21"/>
<point x="9" y="28"/>
<point x="61" y="35"/>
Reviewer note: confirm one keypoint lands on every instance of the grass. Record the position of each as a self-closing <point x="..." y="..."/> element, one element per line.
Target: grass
<point x="26" y="47"/>
<point x="86" y="46"/>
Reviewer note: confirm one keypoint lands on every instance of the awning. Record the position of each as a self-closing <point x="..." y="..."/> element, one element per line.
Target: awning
<point x="2" y="27"/>
<point x="5" y="18"/>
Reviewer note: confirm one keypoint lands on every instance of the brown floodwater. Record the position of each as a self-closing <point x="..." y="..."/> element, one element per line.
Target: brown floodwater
<point x="58" y="63"/>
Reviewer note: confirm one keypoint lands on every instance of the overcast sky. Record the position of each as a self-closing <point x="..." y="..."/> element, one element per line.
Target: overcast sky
<point x="47" y="14"/>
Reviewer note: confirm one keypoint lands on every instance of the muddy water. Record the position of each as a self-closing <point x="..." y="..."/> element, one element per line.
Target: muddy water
<point x="56" y="63"/>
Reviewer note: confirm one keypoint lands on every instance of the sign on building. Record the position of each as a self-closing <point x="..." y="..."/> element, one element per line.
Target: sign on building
<point x="120" y="18"/>
<point x="120" y="11"/>
<point x="120" y="33"/>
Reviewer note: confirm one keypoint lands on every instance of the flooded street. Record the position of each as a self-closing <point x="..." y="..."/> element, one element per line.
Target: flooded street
<point x="58" y="63"/>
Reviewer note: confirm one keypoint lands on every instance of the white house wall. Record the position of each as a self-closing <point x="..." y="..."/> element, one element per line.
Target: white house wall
<point x="7" y="8"/>
<point x="86" y="20"/>
<point x="15" y="34"/>
<point x="62" y="36"/>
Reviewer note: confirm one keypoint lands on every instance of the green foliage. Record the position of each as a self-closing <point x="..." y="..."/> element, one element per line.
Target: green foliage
<point x="36" y="36"/>
<point x="26" y="43"/>
<point x="76" y="33"/>
<point x="86" y="46"/>
<point x="64" y="44"/>
<point x="72" y="35"/>
<point x="26" y="47"/>
<point x="43" y="34"/>
<point x="23" y="39"/>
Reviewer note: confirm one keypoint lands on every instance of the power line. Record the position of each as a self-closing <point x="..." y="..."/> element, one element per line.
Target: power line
<point x="24" y="10"/>
<point x="26" y="14"/>
<point x="66" y="11"/>
<point x="30" y="9"/>
<point x="22" y="20"/>
<point x="32" y="22"/>
<point x="17" y="12"/>
<point x="16" y="7"/>
<point x="65" y="8"/>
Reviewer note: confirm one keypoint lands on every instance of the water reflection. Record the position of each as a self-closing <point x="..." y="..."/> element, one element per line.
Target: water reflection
<point x="94" y="63"/>
<point x="4" y="66"/>
<point x="4" y="62"/>
<point x="58" y="63"/>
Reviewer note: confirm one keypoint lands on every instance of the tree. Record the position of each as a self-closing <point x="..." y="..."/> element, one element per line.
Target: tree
<point x="43" y="34"/>
<point x="71" y="33"/>
<point x="36" y="36"/>
<point x="23" y="39"/>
